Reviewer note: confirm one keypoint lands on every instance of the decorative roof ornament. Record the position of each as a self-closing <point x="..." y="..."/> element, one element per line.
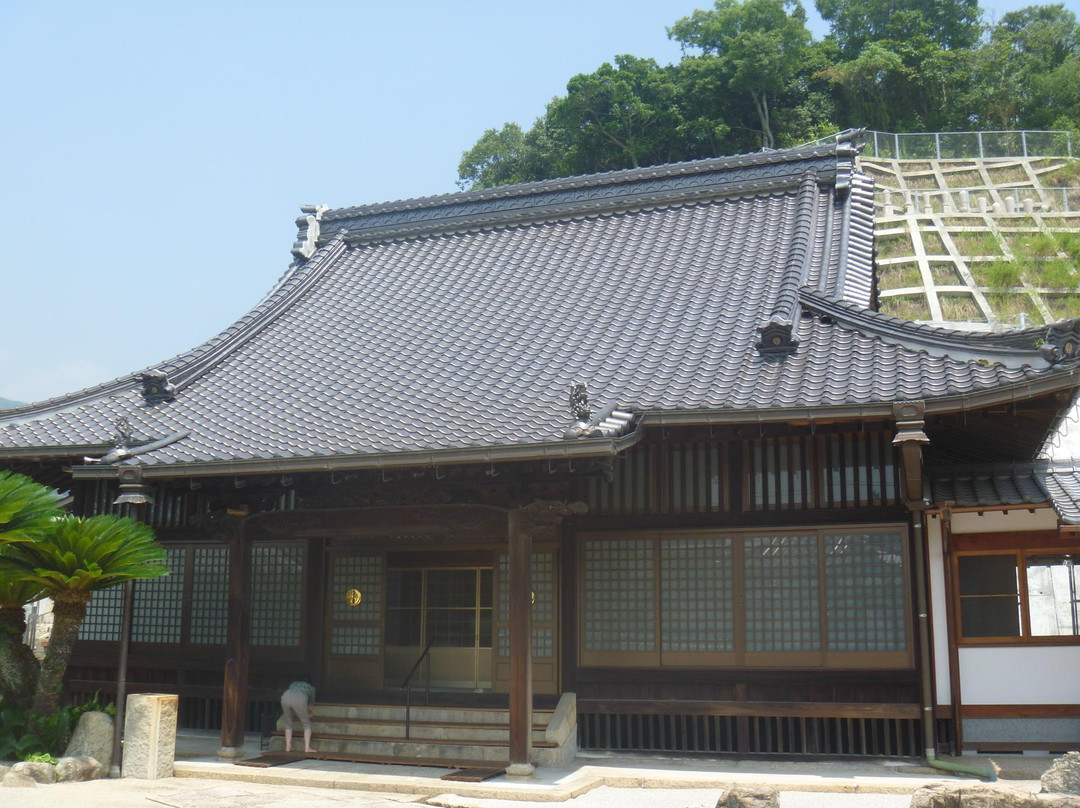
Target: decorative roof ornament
<point x="777" y="337"/>
<point x="847" y="149"/>
<point x="124" y="436"/>
<point x="610" y="422"/>
<point x="1061" y="343"/>
<point x="579" y="402"/>
<point x="156" y="387"/>
<point x="308" y="227"/>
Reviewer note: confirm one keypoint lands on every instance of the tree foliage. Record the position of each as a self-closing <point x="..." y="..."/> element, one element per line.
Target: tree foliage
<point x="759" y="47"/>
<point x="751" y="77"/>
<point x="44" y="552"/>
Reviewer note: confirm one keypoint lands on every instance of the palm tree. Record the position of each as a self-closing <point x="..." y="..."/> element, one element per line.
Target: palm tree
<point x="76" y="557"/>
<point x="18" y="665"/>
<point x="27" y="508"/>
<point x="27" y="512"/>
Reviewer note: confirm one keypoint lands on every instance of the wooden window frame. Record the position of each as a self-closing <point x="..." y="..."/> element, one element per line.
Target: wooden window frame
<point x="1020" y="554"/>
<point x="740" y="657"/>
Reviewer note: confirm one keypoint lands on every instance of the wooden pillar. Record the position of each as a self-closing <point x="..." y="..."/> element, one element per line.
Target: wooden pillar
<point x="521" y="696"/>
<point x="952" y="628"/>
<point x="238" y="649"/>
<point x="133" y="499"/>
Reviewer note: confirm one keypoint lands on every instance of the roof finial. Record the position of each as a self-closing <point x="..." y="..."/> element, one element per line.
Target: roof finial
<point x="156" y="387"/>
<point x="307" y="231"/>
<point x="579" y="402"/>
<point x="123" y="437"/>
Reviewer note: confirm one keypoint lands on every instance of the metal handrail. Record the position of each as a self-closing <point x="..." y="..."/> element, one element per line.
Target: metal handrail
<point x="406" y="685"/>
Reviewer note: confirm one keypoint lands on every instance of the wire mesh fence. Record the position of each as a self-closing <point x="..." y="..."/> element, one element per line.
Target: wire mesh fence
<point x="967" y="145"/>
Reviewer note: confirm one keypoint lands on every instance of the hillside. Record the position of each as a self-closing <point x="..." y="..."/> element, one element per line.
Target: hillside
<point x="988" y="243"/>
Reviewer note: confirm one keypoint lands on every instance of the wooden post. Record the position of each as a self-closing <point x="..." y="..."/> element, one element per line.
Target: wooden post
<point x="133" y="499"/>
<point x="234" y="697"/>
<point x="521" y="697"/>
<point x="951" y="624"/>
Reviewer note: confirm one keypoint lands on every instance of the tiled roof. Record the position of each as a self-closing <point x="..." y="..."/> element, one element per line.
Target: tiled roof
<point x="1014" y="484"/>
<point x="455" y="325"/>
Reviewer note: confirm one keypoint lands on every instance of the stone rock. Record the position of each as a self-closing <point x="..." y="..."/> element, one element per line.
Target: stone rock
<point x="78" y="769"/>
<point x="1059" y="801"/>
<point x="40" y="772"/>
<point x="93" y="737"/>
<point x="4" y="770"/>
<point x="749" y="797"/>
<point x="1063" y="777"/>
<point x="15" y="780"/>
<point x="974" y="796"/>
<point x="149" y="735"/>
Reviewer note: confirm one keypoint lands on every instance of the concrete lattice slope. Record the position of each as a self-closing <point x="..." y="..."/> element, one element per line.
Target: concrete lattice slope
<point x="987" y="244"/>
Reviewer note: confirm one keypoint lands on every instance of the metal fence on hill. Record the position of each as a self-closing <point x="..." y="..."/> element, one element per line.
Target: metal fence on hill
<point x="963" y="145"/>
<point x="967" y="145"/>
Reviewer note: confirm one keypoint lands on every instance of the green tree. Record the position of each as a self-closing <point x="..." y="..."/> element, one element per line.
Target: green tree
<point x="1016" y="82"/>
<point x="508" y="155"/>
<point x="73" y="559"/>
<point x="950" y="24"/>
<point x="620" y="116"/>
<point x="759" y="47"/>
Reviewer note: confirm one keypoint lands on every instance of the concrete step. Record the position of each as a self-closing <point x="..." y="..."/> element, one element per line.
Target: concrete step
<point x="476" y="752"/>
<point x="420" y="713"/>
<point x="419" y="730"/>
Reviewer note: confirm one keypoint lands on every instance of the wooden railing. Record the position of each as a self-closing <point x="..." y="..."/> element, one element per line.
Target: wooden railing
<point x="751" y="728"/>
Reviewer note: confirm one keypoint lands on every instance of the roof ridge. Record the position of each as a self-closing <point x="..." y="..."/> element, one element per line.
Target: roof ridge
<point x="1038" y="347"/>
<point x="776" y="331"/>
<point x="705" y="165"/>
<point x="596" y="194"/>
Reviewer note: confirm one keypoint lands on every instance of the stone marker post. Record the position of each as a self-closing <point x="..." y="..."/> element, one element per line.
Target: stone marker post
<point x="150" y="735"/>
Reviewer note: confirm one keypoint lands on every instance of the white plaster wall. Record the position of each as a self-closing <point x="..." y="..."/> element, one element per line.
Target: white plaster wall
<point x="988" y="522"/>
<point x="1026" y="675"/>
<point x="1005" y="521"/>
<point x="938" y="613"/>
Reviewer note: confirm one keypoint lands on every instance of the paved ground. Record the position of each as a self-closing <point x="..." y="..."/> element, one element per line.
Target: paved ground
<point x="203" y="781"/>
<point x="197" y="793"/>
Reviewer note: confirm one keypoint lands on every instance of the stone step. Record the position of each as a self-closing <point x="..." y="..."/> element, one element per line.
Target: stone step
<point x="477" y="752"/>
<point x="420" y="713"/>
<point x="419" y="730"/>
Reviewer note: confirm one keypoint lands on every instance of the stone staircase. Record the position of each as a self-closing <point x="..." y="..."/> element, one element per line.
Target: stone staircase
<point x="448" y="736"/>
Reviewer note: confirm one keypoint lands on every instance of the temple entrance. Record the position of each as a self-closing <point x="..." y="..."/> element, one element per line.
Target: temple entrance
<point x="452" y="609"/>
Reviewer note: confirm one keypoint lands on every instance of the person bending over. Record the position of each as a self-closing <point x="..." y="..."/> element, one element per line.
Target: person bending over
<point x="296" y="703"/>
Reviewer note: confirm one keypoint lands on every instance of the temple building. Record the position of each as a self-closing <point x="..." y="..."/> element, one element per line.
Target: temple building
<point x="636" y="447"/>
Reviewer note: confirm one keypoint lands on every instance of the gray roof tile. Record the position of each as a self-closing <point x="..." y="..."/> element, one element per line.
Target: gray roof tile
<point x="1056" y="483"/>
<point x="460" y="321"/>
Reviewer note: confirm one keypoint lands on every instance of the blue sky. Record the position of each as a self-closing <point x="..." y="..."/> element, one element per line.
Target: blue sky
<point x="156" y="154"/>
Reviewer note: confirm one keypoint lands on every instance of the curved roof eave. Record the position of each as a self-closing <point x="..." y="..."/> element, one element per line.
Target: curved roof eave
<point x="548" y="450"/>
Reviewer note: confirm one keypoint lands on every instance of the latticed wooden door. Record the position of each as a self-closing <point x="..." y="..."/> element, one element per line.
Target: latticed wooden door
<point x="353" y="645"/>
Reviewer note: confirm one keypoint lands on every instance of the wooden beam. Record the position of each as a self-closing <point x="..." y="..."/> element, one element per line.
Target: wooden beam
<point x="1020" y="711"/>
<point x="777" y="709"/>
<point x="238" y="643"/>
<point x="521" y="697"/>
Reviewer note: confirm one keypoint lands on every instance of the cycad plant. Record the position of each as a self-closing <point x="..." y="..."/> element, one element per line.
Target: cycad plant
<point x="27" y="508"/>
<point x="18" y="665"/>
<point x="75" y="557"/>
